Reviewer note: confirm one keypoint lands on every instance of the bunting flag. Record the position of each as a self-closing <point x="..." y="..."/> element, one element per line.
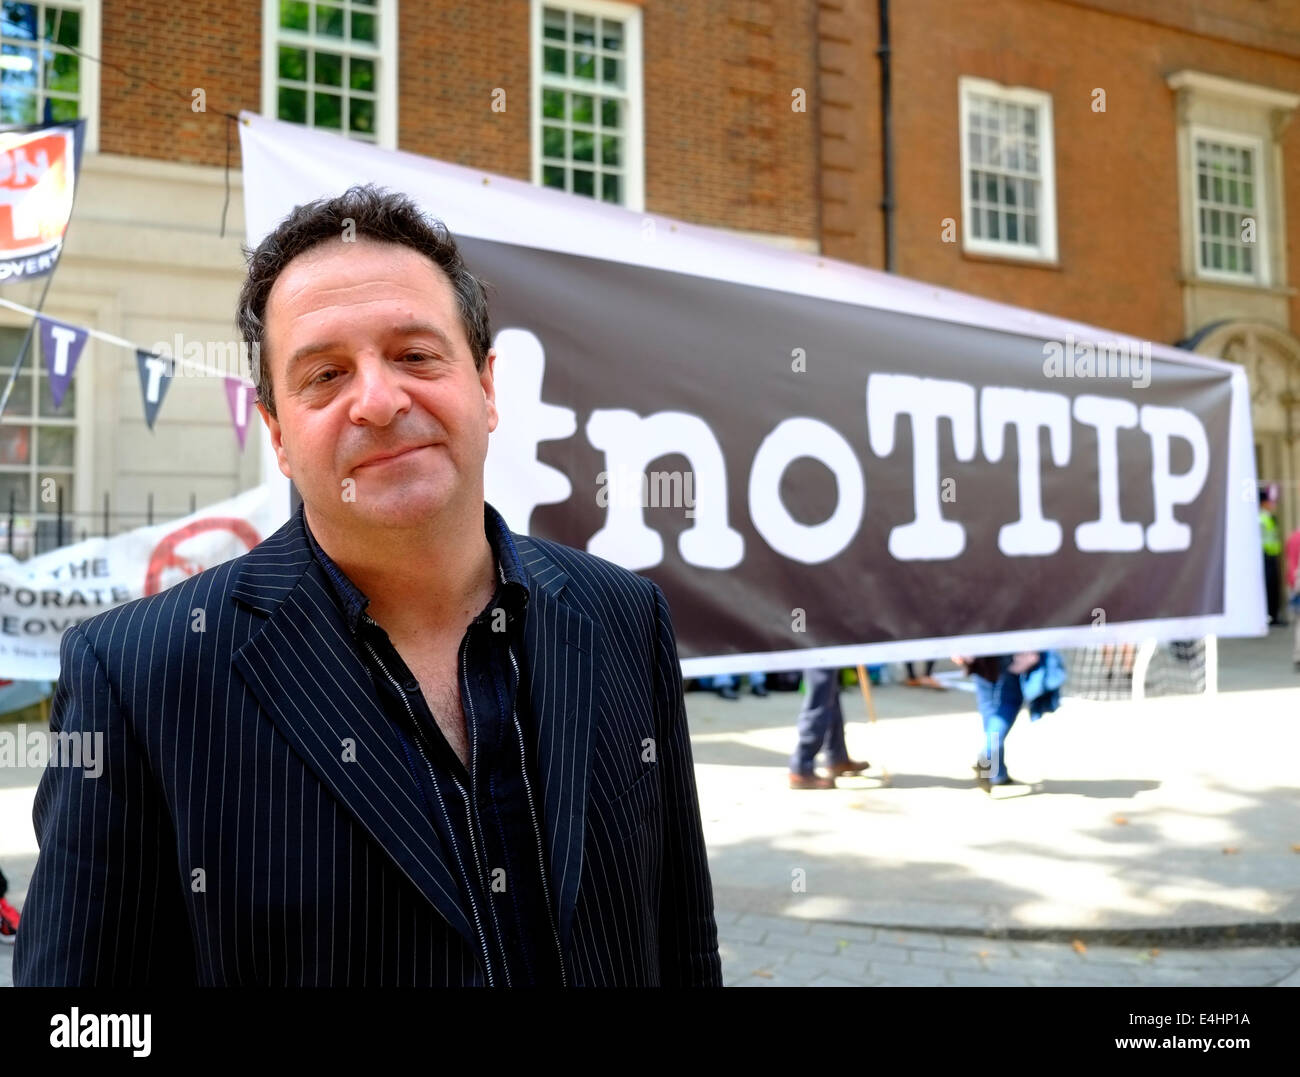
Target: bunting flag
<point x="38" y="180"/>
<point x="61" y="345"/>
<point x="240" y="396"/>
<point x="156" y="373"/>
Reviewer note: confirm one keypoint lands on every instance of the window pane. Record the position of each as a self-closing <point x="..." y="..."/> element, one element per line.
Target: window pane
<point x="363" y="28"/>
<point x="553" y="176"/>
<point x="553" y="24"/>
<point x="976" y="141"/>
<point x="62" y="72"/>
<point x="329" y="111"/>
<point x="612" y="70"/>
<point x="1248" y="195"/>
<point x="361" y="115"/>
<point x="611" y="150"/>
<point x="553" y="104"/>
<point x="329" y="20"/>
<point x="329" y="69"/>
<point x="361" y="74"/>
<point x="15" y="444"/>
<point x="611" y="187"/>
<point x="17" y="107"/>
<point x="584" y="108"/>
<point x="1013" y="228"/>
<point x="1031" y="229"/>
<point x="62" y="109"/>
<point x="610" y="112"/>
<point x="553" y="142"/>
<point x="17" y="487"/>
<point x="20" y="401"/>
<point x="293" y="64"/>
<point x="1247" y="260"/>
<point x="293" y="14"/>
<point x="584" y="30"/>
<point x="293" y="105"/>
<point x="54" y="446"/>
<point x="1030" y="189"/>
<point x="63" y="26"/>
<point x="584" y="65"/>
<point x="68" y="408"/>
<point x="584" y="146"/>
<point x="995" y="225"/>
<point x="62" y="484"/>
<point x="553" y="60"/>
<point x="584" y="182"/>
<point x="20" y="67"/>
<point x="611" y="35"/>
<point x="977" y="223"/>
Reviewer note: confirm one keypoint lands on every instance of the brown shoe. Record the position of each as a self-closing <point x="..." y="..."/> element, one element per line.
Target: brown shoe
<point x="810" y="781"/>
<point x="850" y="767"/>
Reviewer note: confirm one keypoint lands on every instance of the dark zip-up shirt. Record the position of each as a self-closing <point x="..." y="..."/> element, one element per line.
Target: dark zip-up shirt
<point x="490" y="815"/>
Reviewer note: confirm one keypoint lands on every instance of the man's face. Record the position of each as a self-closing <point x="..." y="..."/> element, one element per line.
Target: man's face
<point x="368" y="360"/>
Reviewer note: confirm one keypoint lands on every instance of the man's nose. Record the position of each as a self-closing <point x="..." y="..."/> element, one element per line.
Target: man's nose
<point x="378" y="395"/>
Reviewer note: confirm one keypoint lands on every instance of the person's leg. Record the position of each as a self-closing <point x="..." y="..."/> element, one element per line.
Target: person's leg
<point x="758" y="683"/>
<point x="725" y="685"/>
<point x="1270" y="586"/>
<point x="998" y="702"/>
<point x="820" y="703"/>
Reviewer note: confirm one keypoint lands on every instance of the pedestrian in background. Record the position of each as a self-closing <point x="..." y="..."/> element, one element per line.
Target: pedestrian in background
<point x="8" y="914"/>
<point x="1272" y="541"/>
<point x="1293" y="583"/>
<point x="821" y="727"/>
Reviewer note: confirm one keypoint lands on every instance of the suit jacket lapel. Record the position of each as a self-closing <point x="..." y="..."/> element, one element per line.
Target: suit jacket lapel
<point x="307" y="676"/>
<point x="562" y="646"/>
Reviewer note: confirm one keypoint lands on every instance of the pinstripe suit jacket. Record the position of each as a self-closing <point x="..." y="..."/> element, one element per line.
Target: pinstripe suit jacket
<point x="255" y="821"/>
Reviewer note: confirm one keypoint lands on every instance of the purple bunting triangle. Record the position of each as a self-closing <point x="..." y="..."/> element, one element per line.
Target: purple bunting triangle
<point x="61" y="346"/>
<point x="240" y="396"/>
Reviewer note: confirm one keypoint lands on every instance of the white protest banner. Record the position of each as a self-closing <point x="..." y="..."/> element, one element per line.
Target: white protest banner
<point x="43" y="597"/>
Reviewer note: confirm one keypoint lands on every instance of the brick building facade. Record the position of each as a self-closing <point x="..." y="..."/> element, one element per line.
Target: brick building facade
<point x="755" y="116"/>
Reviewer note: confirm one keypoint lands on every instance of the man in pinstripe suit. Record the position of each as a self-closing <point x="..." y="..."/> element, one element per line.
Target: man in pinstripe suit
<point x="394" y="744"/>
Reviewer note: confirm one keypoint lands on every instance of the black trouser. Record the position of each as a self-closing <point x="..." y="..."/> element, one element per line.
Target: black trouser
<point x="1271" y="584"/>
<point x="4" y="885"/>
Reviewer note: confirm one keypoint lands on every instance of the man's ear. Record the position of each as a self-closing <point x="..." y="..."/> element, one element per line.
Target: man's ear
<point x="277" y="440"/>
<point x="487" y="379"/>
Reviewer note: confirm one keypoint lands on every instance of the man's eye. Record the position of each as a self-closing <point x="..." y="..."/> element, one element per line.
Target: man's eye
<point x="415" y="357"/>
<point x="323" y="376"/>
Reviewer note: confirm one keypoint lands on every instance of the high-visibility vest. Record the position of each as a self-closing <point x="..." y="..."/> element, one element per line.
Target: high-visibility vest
<point x="1268" y="528"/>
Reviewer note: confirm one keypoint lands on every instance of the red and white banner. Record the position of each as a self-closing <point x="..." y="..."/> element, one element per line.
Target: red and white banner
<point x="38" y="182"/>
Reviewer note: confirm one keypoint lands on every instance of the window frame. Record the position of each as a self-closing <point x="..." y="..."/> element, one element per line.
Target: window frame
<point x="385" y="56"/>
<point x="634" y="131"/>
<point x="1261" y="277"/>
<point x="89" y="70"/>
<point x="1046" y="250"/>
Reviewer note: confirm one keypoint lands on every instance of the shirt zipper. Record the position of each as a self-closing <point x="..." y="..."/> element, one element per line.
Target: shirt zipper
<point x="537" y="833"/>
<point x="419" y="744"/>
